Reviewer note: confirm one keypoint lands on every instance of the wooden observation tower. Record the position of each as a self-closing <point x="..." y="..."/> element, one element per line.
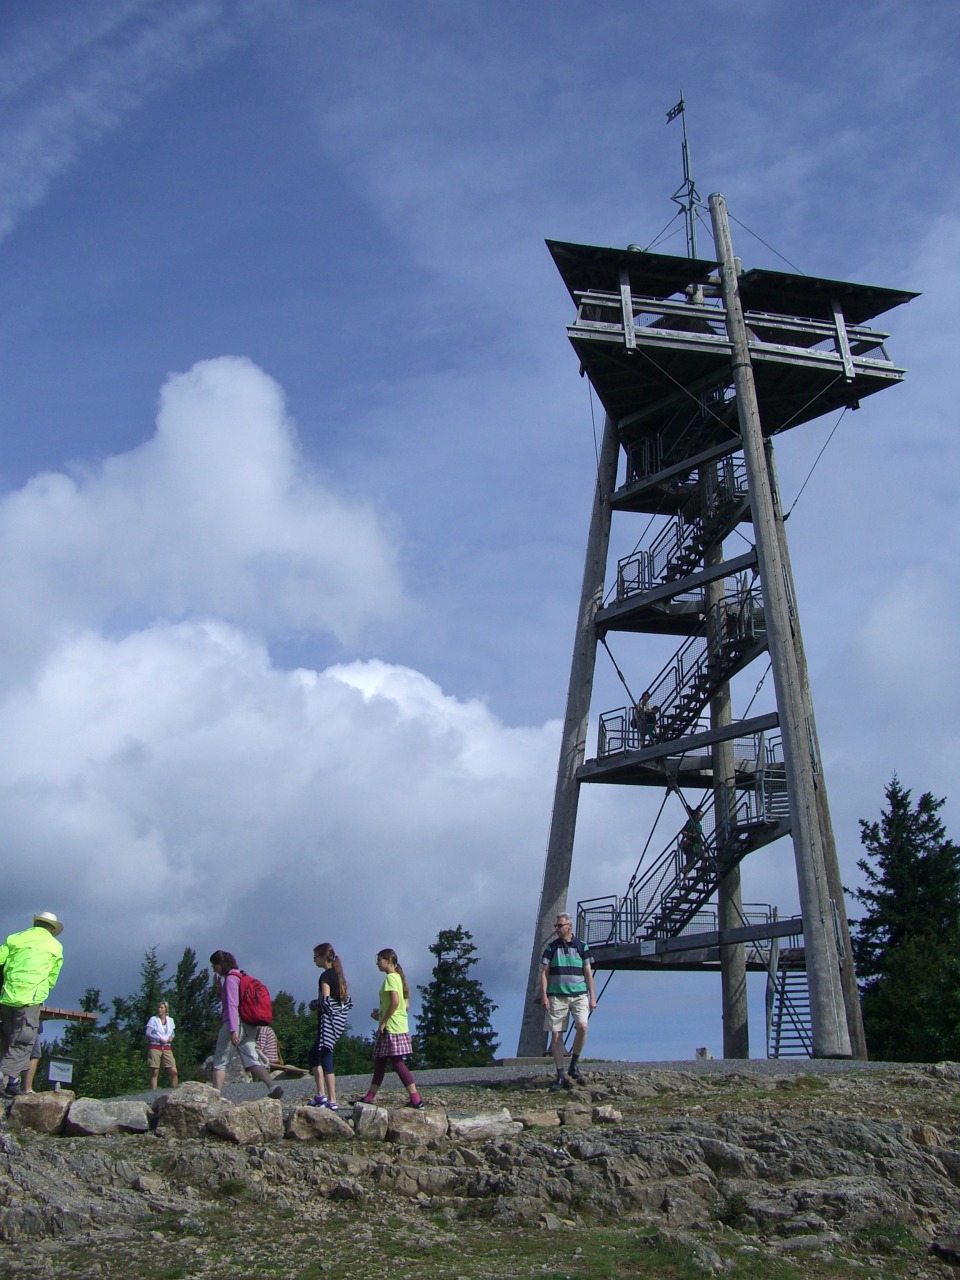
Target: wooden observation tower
<point x="699" y="365"/>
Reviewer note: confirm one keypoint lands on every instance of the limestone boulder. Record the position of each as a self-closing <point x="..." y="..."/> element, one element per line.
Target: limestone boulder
<point x="370" y="1121"/>
<point x="483" y="1128"/>
<point x="306" y="1124"/>
<point x="575" y="1116"/>
<point x="347" y="1189"/>
<point x="41" y="1112"/>
<point x="249" y="1123"/>
<point x="925" y="1135"/>
<point x="414" y="1181"/>
<point x="726" y="1159"/>
<point x="149" y="1184"/>
<point x="947" y="1247"/>
<point x="412" y="1128"/>
<point x="96" y="1117"/>
<point x="605" y="1114"/>
<point x="184" y="1112"/>
<point x="538" y="1119"/>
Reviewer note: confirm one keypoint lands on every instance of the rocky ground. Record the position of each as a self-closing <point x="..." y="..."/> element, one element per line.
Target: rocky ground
<point x="644" y="1172"/>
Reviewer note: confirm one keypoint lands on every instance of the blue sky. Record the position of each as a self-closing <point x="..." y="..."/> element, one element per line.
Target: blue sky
<point x="295" y="464"/>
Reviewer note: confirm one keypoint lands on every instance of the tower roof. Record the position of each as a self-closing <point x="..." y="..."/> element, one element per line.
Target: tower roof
<point x="783" y="293"/>
<point x="641" y="345"/>
<point x="653" y="275"/>
<point x="586" y="267"/>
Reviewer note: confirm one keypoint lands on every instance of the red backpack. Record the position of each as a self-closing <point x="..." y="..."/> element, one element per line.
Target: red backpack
<point x="255" y="1006"/>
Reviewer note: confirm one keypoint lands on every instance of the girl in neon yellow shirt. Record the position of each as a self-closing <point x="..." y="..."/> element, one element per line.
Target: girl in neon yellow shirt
<point x="392" y="1044"/>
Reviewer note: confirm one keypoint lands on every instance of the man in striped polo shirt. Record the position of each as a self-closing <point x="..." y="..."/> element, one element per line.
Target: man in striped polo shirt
<point x="566" y="989"/>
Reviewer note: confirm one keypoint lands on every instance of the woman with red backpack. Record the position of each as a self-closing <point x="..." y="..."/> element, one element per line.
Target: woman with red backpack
<point x="236" y="1036"/>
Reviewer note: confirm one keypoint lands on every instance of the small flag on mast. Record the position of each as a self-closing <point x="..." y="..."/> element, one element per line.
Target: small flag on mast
<point x="674" y="111"/>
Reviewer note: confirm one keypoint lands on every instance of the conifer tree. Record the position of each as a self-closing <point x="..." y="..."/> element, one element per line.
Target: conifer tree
<point x="294" y="1026"/>
<point x="907" y="945"/>
<point x="79" y="1042"/>
<point x="453" y="1028"/>
<point x="130" y="1013"/>
<point x="105" y="1061"/>
<point x="111" y="1058"/>
<point x="193" y="1004"/>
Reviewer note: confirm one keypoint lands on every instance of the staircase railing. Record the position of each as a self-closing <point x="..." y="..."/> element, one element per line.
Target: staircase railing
<point x="773" y="964"/>
<point x="683" y="687"/>
<point x="696" y="872"/>
<point x="686" y="436"/>
<point x="680" y="544"/>
<point x="662" y="898"/>
<point x="598" y="922"/>
<point x="790" y="1032"/>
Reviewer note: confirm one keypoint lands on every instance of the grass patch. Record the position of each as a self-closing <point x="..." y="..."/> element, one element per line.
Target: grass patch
<point x="803" y="1084"/>
<point x="888" y="1237"/>
<point x="175" y="1224"/>
<point x="732" y="1209"/>
<point x="233" y="1189"/>
<point x="257" y="1242"/>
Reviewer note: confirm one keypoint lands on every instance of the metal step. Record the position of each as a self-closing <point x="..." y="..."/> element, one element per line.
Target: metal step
<point x="790" y="1034"/>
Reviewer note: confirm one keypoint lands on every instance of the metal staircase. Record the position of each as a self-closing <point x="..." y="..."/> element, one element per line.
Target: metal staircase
<point x="663" y="898"/>
<point x="733" y="634"/>
<point x="661" y="470"/>
<point x="789" y="1030"/>
<point x="680" y="546"/>
<point x="677" y="886"/>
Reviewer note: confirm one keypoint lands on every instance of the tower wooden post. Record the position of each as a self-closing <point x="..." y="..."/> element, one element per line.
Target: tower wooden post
<point x="556" y="871"/>
<point x="831" y="1038"/>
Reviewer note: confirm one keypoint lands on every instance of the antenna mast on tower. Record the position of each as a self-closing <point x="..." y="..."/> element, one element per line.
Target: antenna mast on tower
<point x="686" y="195"/>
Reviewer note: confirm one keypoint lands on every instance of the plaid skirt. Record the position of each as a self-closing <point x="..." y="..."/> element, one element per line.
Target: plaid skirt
<point x="392" y="1046"/>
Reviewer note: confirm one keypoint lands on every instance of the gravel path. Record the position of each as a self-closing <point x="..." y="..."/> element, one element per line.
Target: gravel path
<point x="349" y="1087"/>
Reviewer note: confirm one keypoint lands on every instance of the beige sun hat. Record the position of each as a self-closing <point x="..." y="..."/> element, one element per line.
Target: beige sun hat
<point x="49" y="919"/>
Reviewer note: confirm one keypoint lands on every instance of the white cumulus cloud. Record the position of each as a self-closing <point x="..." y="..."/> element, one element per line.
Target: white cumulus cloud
<point x="175" y="788"/>
<point x="166" y="781"/>
<point x="217" y="515"/>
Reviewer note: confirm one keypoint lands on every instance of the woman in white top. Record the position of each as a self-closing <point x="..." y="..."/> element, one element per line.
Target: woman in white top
<point x="159" y="1033"/>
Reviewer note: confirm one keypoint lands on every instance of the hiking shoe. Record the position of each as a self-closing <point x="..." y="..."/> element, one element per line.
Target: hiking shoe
<point x="12" y="1090"/>
<point x="318" y="1100"/>
<point x="275" y="1092"/>
<point x="558" y="1086"/>
<point x="331" y="1106"/>
<point x="574" y="1074"/>
<point x="415" y="1106"/>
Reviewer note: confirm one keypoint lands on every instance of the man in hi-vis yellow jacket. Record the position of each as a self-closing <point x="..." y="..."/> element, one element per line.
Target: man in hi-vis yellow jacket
<point x="31" y="961"/>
